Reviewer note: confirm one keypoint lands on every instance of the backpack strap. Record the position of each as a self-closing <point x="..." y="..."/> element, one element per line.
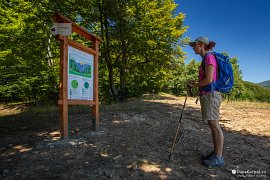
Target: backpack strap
<point x="203" y="66"/>
<point x="203" y="63"/>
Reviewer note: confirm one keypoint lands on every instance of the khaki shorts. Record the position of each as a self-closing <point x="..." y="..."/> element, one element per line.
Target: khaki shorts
<point x="210" y="104"/>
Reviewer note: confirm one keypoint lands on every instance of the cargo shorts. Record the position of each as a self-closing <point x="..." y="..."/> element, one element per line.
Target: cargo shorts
<point x="210" y="103"/>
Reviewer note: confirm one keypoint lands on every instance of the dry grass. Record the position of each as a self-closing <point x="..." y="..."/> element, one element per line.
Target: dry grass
<point x="248" y="104"/>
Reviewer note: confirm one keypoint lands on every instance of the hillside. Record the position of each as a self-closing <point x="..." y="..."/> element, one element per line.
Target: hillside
<point x="133" y="142"/>
<point x="265" y="83"/>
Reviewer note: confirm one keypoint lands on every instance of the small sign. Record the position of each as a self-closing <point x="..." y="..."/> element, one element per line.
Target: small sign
<point x="64" y="29"/>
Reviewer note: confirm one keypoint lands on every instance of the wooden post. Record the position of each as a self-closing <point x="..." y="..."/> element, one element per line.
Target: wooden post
<point x="95" y="108"/>
<point x="63" y="89"/>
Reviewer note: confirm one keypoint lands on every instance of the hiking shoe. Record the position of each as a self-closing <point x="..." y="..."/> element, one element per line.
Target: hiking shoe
<point x="208" y="156"/>
<point x="214" y="161"/>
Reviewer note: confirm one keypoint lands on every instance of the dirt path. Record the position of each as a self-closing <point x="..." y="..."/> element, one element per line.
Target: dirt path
<point x="134" y="142"/>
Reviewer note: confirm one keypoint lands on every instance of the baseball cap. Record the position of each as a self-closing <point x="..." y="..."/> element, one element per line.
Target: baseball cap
<point x="202" y="39"/>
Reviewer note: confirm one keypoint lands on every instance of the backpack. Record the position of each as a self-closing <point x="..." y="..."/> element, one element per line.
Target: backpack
<point x="225" y="80"/>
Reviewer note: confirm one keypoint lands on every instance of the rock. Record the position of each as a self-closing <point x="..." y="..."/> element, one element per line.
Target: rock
<point x="5" y="172"/>
<point x="23" y="128"/>
<point x="117" y="157"/>
<point x="107" y="174"/>
<point x="36" y="152"/>
<point x="133" y="166"/>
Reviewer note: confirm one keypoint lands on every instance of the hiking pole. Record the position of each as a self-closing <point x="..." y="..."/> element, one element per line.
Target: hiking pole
<point x="178" y="128"/>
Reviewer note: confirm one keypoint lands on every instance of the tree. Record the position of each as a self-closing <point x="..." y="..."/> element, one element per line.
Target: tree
<point x="140" y="38"/>
<point x="139" y="50"/>
<point x="238" y="87"/>
<point x="26" y="53"/>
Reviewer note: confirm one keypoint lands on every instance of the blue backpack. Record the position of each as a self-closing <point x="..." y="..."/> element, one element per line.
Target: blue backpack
<point x="225" y="80"/>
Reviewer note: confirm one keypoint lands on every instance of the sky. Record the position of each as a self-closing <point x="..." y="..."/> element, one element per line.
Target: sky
<point x="239" y="27"/>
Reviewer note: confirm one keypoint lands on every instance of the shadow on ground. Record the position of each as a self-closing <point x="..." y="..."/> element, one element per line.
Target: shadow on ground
<point x="134" y="142"/>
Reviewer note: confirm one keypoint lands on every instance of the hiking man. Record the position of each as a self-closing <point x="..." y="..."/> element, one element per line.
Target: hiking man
<point x="210" y="100"/>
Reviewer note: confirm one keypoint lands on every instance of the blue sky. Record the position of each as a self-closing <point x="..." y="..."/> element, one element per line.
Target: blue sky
<point x="239" y="27"/>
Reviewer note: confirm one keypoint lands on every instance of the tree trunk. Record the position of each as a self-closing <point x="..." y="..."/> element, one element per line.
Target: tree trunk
<point x="123" y="91"/>
<point x="105" y="37"/>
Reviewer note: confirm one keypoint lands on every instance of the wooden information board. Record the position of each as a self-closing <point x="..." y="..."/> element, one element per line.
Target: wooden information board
<point x="78" y="74"/>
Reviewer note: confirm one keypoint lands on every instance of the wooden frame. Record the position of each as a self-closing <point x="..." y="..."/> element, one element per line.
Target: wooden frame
<point x="63" y="101"/>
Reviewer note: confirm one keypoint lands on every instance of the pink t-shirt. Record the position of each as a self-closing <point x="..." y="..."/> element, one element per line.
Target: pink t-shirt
<point x="208" y="60"/>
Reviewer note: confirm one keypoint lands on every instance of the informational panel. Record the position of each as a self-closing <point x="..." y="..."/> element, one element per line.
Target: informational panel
<point x="80" y="74"/>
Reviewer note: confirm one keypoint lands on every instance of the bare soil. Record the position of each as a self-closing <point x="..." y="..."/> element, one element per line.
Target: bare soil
<point x="133" y="142"/>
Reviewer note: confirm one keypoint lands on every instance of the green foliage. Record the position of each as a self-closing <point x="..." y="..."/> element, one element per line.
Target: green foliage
<point x="254" y="92"/>
<point x="181" y="75"/>
<point x="265" y="84"/>
<point x="140" y="44"/>
<point x="141" y="50"/>
<point x="238" y="86"/>
<point x="28" y="67"/>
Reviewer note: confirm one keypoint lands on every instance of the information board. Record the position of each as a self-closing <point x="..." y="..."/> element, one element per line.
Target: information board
<point x="80" y="74"/>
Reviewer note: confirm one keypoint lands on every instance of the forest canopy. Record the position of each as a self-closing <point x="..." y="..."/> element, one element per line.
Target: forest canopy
<point x="141" y="50"/>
